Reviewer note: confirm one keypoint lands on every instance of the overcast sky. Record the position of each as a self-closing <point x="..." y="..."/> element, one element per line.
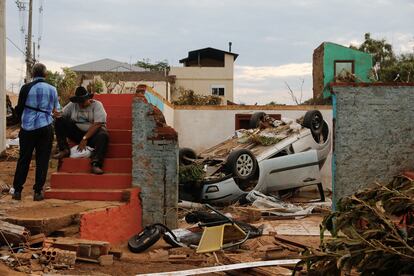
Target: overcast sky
<point x="274" y="39"/>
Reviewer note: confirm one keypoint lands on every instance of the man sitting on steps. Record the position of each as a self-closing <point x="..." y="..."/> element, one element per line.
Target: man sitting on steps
<point x="83" y="121"/>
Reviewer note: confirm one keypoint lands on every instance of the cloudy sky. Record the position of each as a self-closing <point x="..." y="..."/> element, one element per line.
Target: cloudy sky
<point x="274" y="38"/>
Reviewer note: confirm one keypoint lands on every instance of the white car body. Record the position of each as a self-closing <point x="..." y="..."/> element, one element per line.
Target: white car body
<point x="298" y="168"/>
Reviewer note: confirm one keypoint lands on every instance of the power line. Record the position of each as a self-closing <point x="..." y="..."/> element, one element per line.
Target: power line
<point x="14" y="44"/>
<point x="40" y="27"/>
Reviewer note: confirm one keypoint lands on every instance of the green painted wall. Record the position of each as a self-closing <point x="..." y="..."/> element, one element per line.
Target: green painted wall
<point x="332" y="52"/>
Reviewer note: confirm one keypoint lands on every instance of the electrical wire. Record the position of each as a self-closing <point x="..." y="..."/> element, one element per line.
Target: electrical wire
<point x="15" y="45"/>
<point x="40" y="27"/>
<point x="21" y="6"/>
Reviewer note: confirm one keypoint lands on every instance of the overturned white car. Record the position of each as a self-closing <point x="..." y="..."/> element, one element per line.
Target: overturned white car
<point x="272" y="156"/>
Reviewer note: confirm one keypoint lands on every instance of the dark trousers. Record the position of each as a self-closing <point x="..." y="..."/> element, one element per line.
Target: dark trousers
<point x="40" y="140"/>
<point x="66" y="128"/>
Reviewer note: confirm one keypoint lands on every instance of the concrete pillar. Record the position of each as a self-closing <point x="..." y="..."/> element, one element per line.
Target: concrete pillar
<point x="2" y="75"/>
<point x="154" y="164"/>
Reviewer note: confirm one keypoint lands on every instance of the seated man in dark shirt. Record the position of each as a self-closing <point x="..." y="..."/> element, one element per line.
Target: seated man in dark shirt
<point x="83" y="121"/>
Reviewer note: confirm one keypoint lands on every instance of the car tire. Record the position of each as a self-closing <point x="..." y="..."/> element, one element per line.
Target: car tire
<point x="145" y="239"/>
<point x="242" y="164"/>
<point x="314" y="121"/>
<point x="186" y="153"/>
<point x="255" y="119"/>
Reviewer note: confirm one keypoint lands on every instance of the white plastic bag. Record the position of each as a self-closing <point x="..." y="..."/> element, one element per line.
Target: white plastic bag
<point x="75" y="153"/>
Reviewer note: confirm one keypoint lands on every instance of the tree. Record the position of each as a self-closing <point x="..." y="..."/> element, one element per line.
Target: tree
<point x="297" y="100"/>
<point x="380" y="50"/>
<point x="160" y="66"/>
<point x="65" y="83"/>
<point x="95" y="86"/>
<point x="392" y="68"/>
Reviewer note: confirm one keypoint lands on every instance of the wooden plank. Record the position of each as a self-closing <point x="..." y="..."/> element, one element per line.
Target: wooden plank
<point x="225" y="268"/>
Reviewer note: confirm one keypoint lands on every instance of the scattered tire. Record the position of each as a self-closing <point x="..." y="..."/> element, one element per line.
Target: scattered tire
<point x="255" y="119"/>
<point x="145" y="239"/>
<point x="242" y="164"/>
<point x="314" y="121"/>
<point x="186" y="153"/>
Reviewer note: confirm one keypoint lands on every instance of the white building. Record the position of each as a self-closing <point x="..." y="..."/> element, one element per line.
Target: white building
<point x="206" y="71"/>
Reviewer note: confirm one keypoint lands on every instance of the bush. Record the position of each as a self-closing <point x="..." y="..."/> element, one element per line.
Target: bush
<point x="65" y="84"/>
<point x="189" y="97"/>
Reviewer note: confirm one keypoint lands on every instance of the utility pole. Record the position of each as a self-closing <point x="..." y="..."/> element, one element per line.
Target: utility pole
<point x="29" y="60"/>
<point x="2" y="76"/>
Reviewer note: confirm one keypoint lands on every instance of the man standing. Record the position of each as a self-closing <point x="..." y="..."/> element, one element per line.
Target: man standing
<point x="36" y="132"/>
<point x="83" y="121"/>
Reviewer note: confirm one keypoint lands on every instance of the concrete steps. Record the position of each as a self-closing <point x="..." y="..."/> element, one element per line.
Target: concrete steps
<point x="119" y="150"/>
<point x="120" y="136"/>
<point x="75" y="182"/>
<point x="83" y="165"/>
<point x="91" y="194"/>
<point x="62" y="180"/>
<point x="119" y="123"/>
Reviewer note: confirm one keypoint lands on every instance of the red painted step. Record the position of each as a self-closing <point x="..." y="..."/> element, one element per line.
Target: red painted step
<point x="111" y="165"/>
<point x="74" y="180"/>
<point x="119" y="123"/>
<point x="80" y="194"/>
<point x="120" y="136"/>
<point x="116" y="111"/>
<point x="62" y="180"/>
<point x="115" y="99"/>
<point x="119" y="151"/>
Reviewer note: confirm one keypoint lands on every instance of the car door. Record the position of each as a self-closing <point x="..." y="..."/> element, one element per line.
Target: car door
<point x="289" y="171"/>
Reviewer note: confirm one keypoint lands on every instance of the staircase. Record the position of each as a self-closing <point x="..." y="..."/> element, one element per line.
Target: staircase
<point x="73" y="180"/>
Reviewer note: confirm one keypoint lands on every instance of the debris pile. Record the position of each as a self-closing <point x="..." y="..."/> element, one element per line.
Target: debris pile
<point x="36" y="253"/>
<point x="269" y="132"/>
<point x="373" y="232"/>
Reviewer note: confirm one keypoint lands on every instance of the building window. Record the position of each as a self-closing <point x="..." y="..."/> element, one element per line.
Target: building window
<point x="343" y="68"/>
<point x="217" y="90"/>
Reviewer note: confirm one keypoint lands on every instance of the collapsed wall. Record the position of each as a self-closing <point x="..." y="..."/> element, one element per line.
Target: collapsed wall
<point x="373" y="136"/>
<point x="154" y="163"/>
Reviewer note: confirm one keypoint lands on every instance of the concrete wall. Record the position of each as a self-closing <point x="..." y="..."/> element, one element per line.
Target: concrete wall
<point x="317" y="71"/>
<point x="202" y="127"/>
<point x="374" y="135"/>
<point x="2" y="76"/>
<point x="324" y="71"/>
<point x="201" y="79"/>
<point x="127" y="87"/>
<point x="155" y="164"/>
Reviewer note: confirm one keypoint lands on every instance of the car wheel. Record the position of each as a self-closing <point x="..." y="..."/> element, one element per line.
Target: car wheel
<point x="146" y="238"/>
<point x="185" y="153"/>
<point x="314" y="121"/>
<point x="256" y="119"/>
<point x="242" y="164"/>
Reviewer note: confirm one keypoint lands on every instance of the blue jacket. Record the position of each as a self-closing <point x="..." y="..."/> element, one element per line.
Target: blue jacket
<point x="42" y="96"/>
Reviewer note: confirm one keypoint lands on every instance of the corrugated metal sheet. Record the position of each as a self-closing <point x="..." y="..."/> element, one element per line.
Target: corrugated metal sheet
<point x="107" y="65"/>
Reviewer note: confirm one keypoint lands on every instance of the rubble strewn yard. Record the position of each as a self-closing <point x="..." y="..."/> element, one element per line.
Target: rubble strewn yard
<point x="161" y="257"/>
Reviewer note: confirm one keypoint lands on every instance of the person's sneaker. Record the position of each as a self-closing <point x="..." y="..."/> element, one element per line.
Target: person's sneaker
<point x="96" y="169"/>
<point x="61" y="154"/>
<point x="38" y="196"/>
<point x="17" y="196"/>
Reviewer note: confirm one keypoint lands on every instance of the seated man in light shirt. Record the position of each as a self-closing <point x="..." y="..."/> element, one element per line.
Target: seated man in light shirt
<point x="83" y="121"/>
